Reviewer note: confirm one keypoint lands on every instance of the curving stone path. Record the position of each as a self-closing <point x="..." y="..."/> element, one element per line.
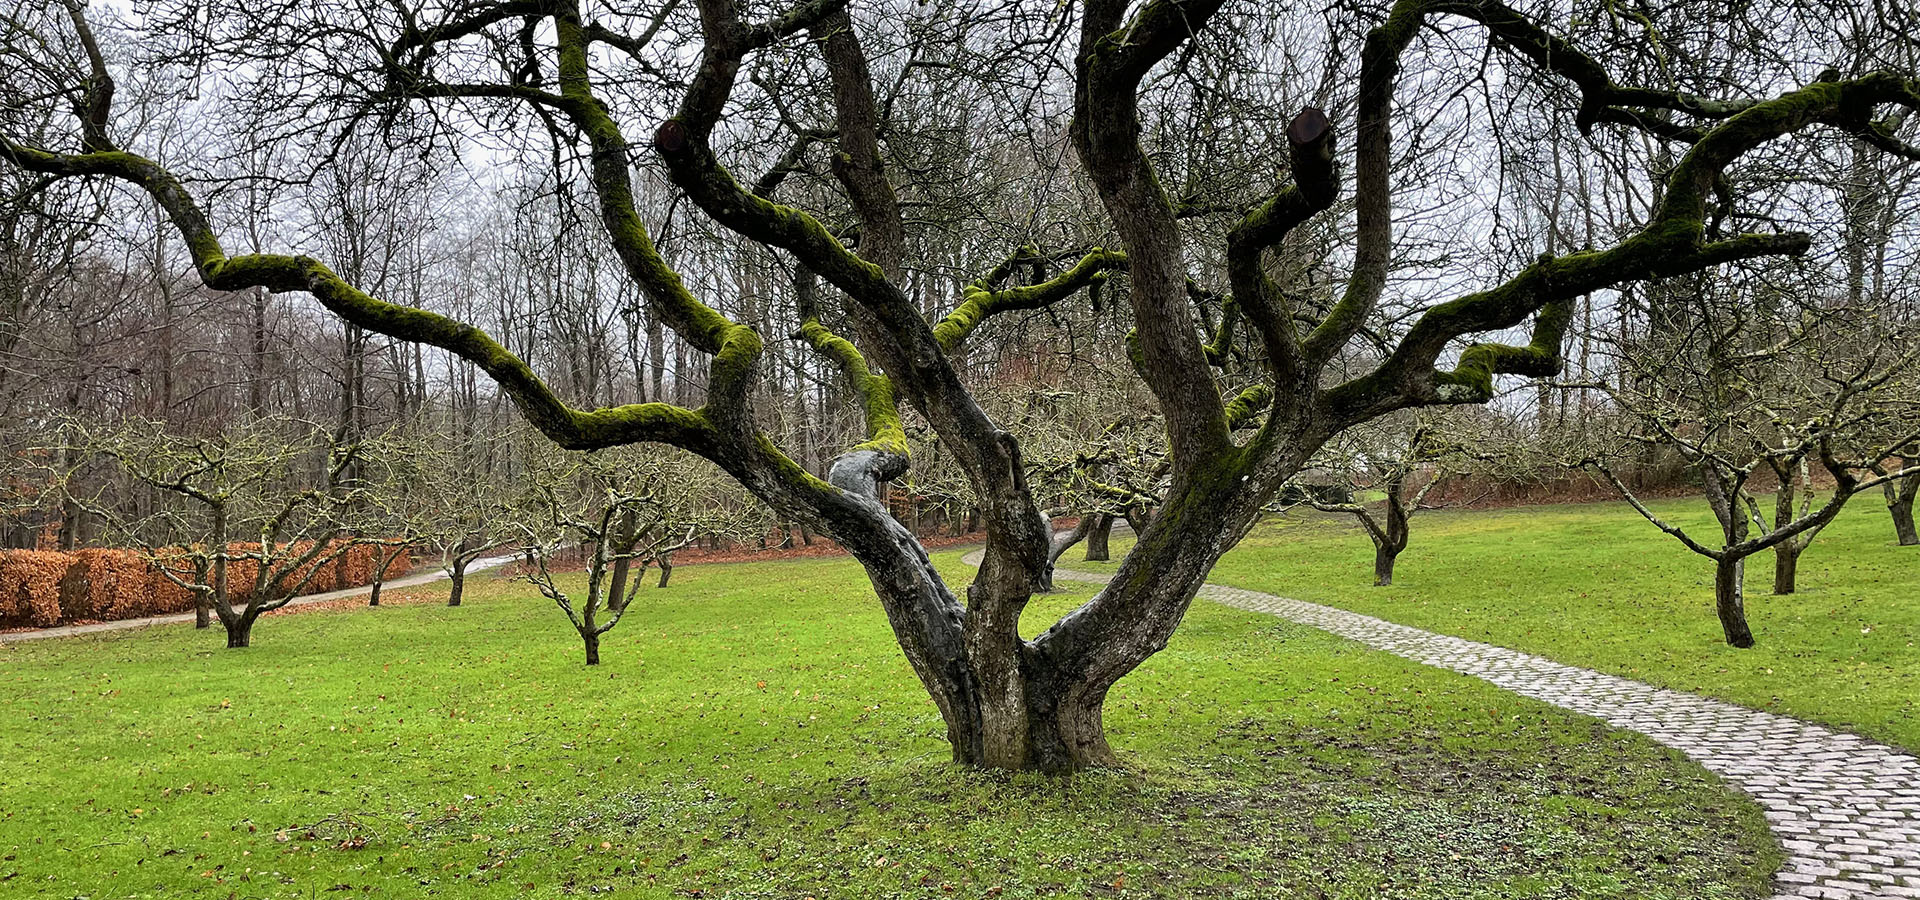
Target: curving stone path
<point x="1846" y="809"/>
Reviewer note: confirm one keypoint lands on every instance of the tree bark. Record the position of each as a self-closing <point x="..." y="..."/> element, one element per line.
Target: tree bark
<point x="666" y="568"/>
<point x="1097" y="538"/>
<point x="1786" y="564"/>
<point x="1383" y="558"/>
<point x="240" y="631"/>
<point x="458" y="576"/>
<point x="1903" y="523"/>
<point x="592" y="642"/>
<point x="380" y="574"/>
<point x="1729" y="601"/>
<point x="1060" y="543"/>
<point x="1900" y="494"/>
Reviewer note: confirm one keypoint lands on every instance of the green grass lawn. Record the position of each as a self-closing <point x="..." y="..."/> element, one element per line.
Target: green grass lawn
<point x="1595" y="585"/>
<point x="754" y="733"/>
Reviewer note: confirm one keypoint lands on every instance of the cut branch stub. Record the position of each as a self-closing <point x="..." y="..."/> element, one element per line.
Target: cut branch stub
<point x="1310" y="126"/>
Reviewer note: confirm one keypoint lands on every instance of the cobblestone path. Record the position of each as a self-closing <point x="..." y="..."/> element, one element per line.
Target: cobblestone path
<point x="1846" y="809"/>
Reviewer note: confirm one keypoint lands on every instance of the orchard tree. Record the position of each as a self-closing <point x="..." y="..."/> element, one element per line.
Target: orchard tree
<point x="244" y="520"/>
<point x="591" y="76"/>
<point x="1900" y="493"/>
<point x="1402" y="458"/>
<point x="1766" y="384"/>
<point x="454" y="498"/>
<point x="625" y="509"/>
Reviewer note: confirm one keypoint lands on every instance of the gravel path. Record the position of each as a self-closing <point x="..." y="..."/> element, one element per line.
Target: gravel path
<point x="478" y="565"/>
<point x="1846" y="809"/>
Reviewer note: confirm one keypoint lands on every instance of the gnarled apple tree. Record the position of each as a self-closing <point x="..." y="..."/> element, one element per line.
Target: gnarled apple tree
<point x="1008" y="700"/>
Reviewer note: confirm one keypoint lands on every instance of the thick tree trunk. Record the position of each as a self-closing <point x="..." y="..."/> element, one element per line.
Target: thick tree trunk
<point x="240" y="632"/>
<point x="1097" y="538"/>
<point x="592" y="642"/>
<point x="1730" y="602"/>
<point x="202" y="611"/>
<point x="1055" y="730"/>
<point x="1383" y="557"/>
<point x="1786" y="564"/>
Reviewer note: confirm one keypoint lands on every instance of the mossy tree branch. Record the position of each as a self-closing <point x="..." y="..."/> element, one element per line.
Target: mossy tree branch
<point x="884" y="431"/>
<point x="1315" y="185"/>
<point x="568" y="426"/>
<point x="984" y="298"/>
<point x="897" y="336"/>
<point x="1113" y="56"/>
<point x="1672" y="243"/>
<point x="1373" y="187"/>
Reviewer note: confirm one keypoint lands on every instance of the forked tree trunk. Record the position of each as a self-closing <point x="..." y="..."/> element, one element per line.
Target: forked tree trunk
<point x="380" y="575"/>
<point x="240" y="630"/>
<point x="1903" y="523"/>
<point x="1097" y="536"/>
<point x="666" y="568"/>
<point x="1060" y="543"/>
<point x="1018" y="704"/>
<point x="1729" y="601"/>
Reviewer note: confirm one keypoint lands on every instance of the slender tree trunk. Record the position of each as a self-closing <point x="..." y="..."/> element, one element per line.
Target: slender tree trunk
<point x="1061" y="542"/>
<point x="1900" y="495"/>
<point x="1730" y="602"/>
<point x="1903" y="523"/>
<point x="592" y="640"/>
<point x="219" y="596"/>
<point x="380" y="574"/>
<point x="1786" y="564"/>
<point x="458" y="576"/>
<point x="666" y="568"/>
<point x="202" y="607"/>
<point x="1097" y="538"/>
<point x="257" y="360"/>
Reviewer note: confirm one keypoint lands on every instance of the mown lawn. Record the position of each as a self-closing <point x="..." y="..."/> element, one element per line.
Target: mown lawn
<point x="755" y="734"/>
<point x="1595" y="585"/>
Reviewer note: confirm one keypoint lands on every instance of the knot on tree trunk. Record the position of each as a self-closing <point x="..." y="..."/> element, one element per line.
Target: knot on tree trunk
<point x="863" y="471"/>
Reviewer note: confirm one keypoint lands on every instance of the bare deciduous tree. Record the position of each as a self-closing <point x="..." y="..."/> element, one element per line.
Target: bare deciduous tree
<point x="1008" y="700"/>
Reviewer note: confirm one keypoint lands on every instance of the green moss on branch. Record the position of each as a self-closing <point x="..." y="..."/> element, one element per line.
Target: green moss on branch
<point x="884" y="430"/>
<point x="983" y="298"/>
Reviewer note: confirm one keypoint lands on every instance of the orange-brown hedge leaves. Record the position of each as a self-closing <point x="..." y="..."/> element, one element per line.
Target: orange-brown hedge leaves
<point x="41" y="588"/>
